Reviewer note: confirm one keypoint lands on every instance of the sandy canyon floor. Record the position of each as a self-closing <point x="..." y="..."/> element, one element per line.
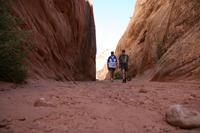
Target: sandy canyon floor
<point x="94" y="107"/>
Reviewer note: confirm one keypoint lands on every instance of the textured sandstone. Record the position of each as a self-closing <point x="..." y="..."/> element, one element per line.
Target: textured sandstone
<point x="63" y="38"/>
<point x="163" y="40"/>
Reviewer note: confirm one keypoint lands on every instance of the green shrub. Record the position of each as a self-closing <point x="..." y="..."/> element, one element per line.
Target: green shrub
<point x="129" y="76"/>
<point x="12" y="55"/>
<point x="59" y="77"/>
<point x="118" y="76"/>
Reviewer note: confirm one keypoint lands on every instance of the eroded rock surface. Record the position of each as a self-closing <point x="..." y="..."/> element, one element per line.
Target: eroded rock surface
<point x="63" y="40"/>
<point x="163" y="40"/>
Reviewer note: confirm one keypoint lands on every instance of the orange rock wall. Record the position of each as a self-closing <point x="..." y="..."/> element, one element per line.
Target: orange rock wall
<point x="63" y="41"/>
<point x="163" y="40"/>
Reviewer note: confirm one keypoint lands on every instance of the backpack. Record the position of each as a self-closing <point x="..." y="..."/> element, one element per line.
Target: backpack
<point x="112" y="61"/>
<point x="123" y="59"/>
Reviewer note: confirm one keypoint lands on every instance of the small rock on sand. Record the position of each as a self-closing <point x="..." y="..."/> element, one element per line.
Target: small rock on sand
<point x="42" y="102"/>
<point x="4" y="123"/>
<point x="143" y="90"/>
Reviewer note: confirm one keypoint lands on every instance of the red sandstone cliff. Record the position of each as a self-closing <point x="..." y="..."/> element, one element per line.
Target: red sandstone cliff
<point x="163" y="40"/>
<point x="63" y="38"/>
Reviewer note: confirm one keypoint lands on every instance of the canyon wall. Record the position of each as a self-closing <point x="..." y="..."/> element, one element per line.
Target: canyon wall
<point x="163" y="40"/>
<point x="63" y="40"/>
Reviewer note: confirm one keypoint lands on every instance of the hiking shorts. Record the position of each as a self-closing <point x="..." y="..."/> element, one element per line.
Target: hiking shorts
<point x="124" y="66"/>
<point x="111" y="69"/>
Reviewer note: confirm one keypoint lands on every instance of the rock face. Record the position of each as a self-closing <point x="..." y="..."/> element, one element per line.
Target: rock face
<point x="182" y="117"/>
<point x="103" y="73"/>
<point x="63" y="41"/>
<point x="163" y="40"/>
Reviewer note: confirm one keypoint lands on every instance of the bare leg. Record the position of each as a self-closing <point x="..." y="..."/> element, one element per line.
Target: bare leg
<point x="123" y="74"/>
<point x="110" y="73"/>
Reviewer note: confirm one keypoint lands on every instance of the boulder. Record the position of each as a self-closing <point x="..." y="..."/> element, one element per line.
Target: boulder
<point x="182" y="117"/>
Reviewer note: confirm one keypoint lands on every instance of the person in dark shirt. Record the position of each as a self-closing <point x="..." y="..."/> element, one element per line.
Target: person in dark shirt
<point x="123" y="64"/>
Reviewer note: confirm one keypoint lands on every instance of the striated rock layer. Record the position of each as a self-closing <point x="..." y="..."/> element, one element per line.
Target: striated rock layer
<point x="63" y="38"/>
<point x="163" y="40"/>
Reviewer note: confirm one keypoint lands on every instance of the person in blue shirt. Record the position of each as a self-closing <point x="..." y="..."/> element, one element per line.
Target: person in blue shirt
<point x="111" y="65"/>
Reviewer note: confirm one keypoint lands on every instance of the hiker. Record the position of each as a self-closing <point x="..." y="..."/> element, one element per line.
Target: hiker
<point x="111" y="65"/>
<point x="123" y="64"/>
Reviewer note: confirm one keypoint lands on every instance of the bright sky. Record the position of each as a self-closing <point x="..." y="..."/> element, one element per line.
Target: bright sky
<point x="111" y="18"/>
